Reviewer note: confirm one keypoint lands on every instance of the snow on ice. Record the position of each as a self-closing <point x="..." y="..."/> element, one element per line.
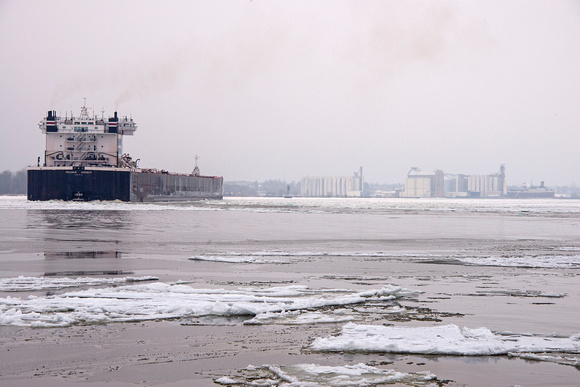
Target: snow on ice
<point x="442" y="340"/>
<point x="545" y="261"/>
<point x="23" y="284"/>
<point x="528" y="207"/>
<point x="318" y="375"/>
<point x="151" y="301"/>
<point x="237" y="259"/>
<point x="529" y="261"/>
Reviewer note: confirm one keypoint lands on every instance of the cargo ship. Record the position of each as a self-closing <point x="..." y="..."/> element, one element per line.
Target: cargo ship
<point x="531" y="192"/>
<point x="84" y="160"/>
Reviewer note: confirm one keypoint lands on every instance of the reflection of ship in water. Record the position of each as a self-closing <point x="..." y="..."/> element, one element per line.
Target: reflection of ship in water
<point x="106" y="222"/>
<point x="84" y="160"/>
<point x="87" y="273"/>
<point x="106" y="256"/>
<point x="49" y="255"/>
<point x="530" y="192"/>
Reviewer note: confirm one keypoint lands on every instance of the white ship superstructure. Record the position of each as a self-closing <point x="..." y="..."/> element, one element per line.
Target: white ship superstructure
<point x="84" y="160"/>
<point x="86" y="141"/>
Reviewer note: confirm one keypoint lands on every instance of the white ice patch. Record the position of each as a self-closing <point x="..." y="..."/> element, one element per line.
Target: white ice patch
<point x="310" y="375"/>
<point x="558" y="358"/>
<point x="23" y="284"/>
<point x="527" y="207"/>
<point x="287" y="257"/>
<point x="164" y="301"/>
<point x="355" y="254"/>
<point x="21" y="202"/>
<point x="543" y="261"/>
<point x="522" y="293"/>
<point x="300" y="318"/>
<point x="236" y="259"/>
<point x="441" y="340"/>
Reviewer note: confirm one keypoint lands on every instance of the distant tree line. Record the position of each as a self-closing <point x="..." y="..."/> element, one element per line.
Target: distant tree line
<point x="12" y="183"/>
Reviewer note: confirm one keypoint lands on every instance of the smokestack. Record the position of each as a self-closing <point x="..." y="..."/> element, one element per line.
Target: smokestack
<point x="113" y="123"/>
<point x="51" y="121"/>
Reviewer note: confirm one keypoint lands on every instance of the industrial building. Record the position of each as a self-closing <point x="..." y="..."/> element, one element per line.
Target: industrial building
<point x="333" y="186"/>
<point x="438" y="185"/>
<point x="424" y="184"/>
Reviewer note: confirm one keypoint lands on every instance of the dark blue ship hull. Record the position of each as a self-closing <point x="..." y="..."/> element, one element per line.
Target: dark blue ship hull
<point x="85" y="184"/>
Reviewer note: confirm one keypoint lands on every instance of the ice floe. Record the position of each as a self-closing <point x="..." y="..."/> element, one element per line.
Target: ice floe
<point x="522" y="293"/>
<point x="286" y="257"/>
<point x="570" y="359"/>
<point x="542" y="261"/>
<point x="301" y="318"/>
<point x="235" y="259"/>
<point x="23" y="284"/>
<point x="152" y="301"/>
<point x="527" y="207"/>
<point x="356" y="254"/>
<point x="21" y="202"/>
<point x="555" y="261"/>
<point x="441" y="340"/>
<point x="311" y="375"/>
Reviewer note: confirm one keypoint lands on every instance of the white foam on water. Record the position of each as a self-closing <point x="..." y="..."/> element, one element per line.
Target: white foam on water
<point x="441" y="340"/>
<point x="310" y="375"/>
<point x="155" y="301"/>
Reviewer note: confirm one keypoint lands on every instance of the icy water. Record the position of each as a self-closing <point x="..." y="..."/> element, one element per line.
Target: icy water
<point x="296" y="292"/>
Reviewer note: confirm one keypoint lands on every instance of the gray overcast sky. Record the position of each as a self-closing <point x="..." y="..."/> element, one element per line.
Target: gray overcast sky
<point x="284" y="89"/>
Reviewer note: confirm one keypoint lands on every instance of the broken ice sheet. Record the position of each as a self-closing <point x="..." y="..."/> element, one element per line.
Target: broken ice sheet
<point x="302" y="318"/>
<point x="24" y="284"/>
<point x="528" y="261"/>
<point x="236" y="259"/>
<point x="156" y="301"/>
<point x="320" y="375"/>
<point x="444" y="340"/>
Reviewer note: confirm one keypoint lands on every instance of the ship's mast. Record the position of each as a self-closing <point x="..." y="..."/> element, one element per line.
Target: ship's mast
<point x="196" y="169"/>
<point x="84" y="114"/>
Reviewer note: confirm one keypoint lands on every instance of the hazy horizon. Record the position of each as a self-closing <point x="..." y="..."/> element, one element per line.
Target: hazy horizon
<point x="273" y="90"/>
